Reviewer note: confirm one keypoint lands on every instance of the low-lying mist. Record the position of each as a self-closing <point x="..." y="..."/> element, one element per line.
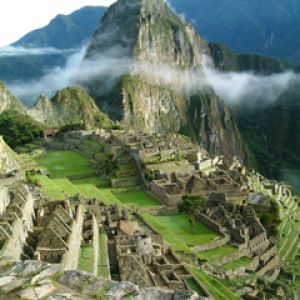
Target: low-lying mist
<point x="232" y="87"/>
<point x="20" y="51"/>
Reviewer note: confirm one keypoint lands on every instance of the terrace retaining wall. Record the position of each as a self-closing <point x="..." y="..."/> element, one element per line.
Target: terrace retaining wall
<point x="231" y="257"/>
<point x="212" y="245"/>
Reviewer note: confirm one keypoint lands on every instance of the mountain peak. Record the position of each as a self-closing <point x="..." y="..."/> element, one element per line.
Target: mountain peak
<point x="149" y="33"/>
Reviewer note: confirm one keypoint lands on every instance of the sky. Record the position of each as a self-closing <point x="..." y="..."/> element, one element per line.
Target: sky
<point x="18" y="17"/>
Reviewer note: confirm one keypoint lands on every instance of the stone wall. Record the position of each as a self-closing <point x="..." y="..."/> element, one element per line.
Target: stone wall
<point x="169" y="200"/>
<point x="123" y="183"/>
<point x="14" y="244"/>
<point x="210" y="223"/>
<point x="212" y="245"/>
<point x="95" y="245"/>
<point x="272" y="264"/>
<point x="70" y="259"/>
<point x="231" y="257"/>
<point x="4" y="199"/>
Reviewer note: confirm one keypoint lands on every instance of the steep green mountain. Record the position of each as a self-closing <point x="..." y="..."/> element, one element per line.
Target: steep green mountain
<point x="264" y="27"/>
<point x="16" y="126"/>
<point x="8" y="102"/>
<point x="272" y="131"/>
<point x="63" y="33"/>
<point x="70" y="106"/>
<point x="148" y="34"/>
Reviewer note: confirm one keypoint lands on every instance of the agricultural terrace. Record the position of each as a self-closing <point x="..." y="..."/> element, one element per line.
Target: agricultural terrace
<point x="62" y="164"/>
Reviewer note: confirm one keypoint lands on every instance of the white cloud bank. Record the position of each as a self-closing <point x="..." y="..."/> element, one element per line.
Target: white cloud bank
<point x="20" y="51"/>
<point x="231" y="86"/>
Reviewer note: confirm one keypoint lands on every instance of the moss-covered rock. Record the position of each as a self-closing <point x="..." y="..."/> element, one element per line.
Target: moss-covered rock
<point x="68" y="107"/>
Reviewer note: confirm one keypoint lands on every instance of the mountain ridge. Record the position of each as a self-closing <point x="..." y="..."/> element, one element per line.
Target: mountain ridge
<point x="157" y="36"/>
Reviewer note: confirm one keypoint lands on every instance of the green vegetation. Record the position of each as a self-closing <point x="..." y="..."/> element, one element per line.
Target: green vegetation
<point x="108" y="196"/>
<point x="62" y="164"/>
<point x="179" y="226"/>
<point x="103" y="268"/>
<point x="95" y="180"/>
<point x="242" y="262"/>
<point x="176" y="230"/>
<point x="173" y="239"/>
<point x="19" y="129"/>
<point x="139" y="199"/>
<point x="214" y="286"/>
<point x="193" y="285"/>
<point x="86" y="259"/>
<point x="191" y="205"/>
<point x="49" y="188"/>
<point x="216" y="253"/>
<point x="66" y="186"/>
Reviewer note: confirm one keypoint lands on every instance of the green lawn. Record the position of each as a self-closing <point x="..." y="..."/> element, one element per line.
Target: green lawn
<point x="171" y="237"/>
<point x="140" y="199"/>
<point x="66" y="186"/>
<point x="214" y="286"/>
<point x="103" y="268"/>
<point x="61" y="164"/>
<point x="109" y="196"/>
<point x="95" y="180"/>
<point x="89" y="191"/>
<point x="243" y="261"/>
<point x="49" y="188"/>
<point x="214" y="254"/>
<point x="180" y="226"/>
<point x="86" y="259"/>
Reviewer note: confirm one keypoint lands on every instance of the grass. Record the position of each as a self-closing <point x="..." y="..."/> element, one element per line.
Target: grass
<point x="85" y="262"/>
<point x="214" y="286"/>
<point x="179" y="225"/>
<point x="62" y="164"/>
<point x="214" y="254"/>
<point x="89" y="191"/>
<point x="49" y="188"/>
<point x="108" y="196"/>
<point x="103" y="268"/>
<point x="243" y="261"/>
<point x="173" y="239"/>
<point x="66" y="186"/>
<point x="139" y="199"/>
<point x="95" y="180"/>
<point x="192" y="284"/>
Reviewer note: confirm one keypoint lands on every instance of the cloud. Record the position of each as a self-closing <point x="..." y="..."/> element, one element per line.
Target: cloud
<point x="232" y="87"/>
<point x="77" y="71"/>
<point x="20" y="51"/>
<point x="106" y="67"/>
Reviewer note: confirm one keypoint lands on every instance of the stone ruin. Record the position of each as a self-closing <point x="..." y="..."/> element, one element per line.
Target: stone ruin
<point x="16" y="218"/>
<point x="137" y="253"/>
<point x="245" y="230"/>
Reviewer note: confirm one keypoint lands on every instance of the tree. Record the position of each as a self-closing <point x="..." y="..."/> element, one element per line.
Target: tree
<point x="191" y="205"/>
<point x="107" y="166"/>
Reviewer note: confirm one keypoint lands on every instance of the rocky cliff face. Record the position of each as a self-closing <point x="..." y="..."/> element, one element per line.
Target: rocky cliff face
<point x="8" y="101"/>
<point x="8" y="158"/>
<point x="147" y="36"/>
<point x="271" y="130"/>
<point x="69" y="106"/>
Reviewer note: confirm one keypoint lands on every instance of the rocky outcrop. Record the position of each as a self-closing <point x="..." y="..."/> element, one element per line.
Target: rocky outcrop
<point x="8" y="158"/>
<point x="33" y="280"/>
<point x="152" y="40"/>
<point x="69" y="106"/>
<point x="9" y="102"/>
